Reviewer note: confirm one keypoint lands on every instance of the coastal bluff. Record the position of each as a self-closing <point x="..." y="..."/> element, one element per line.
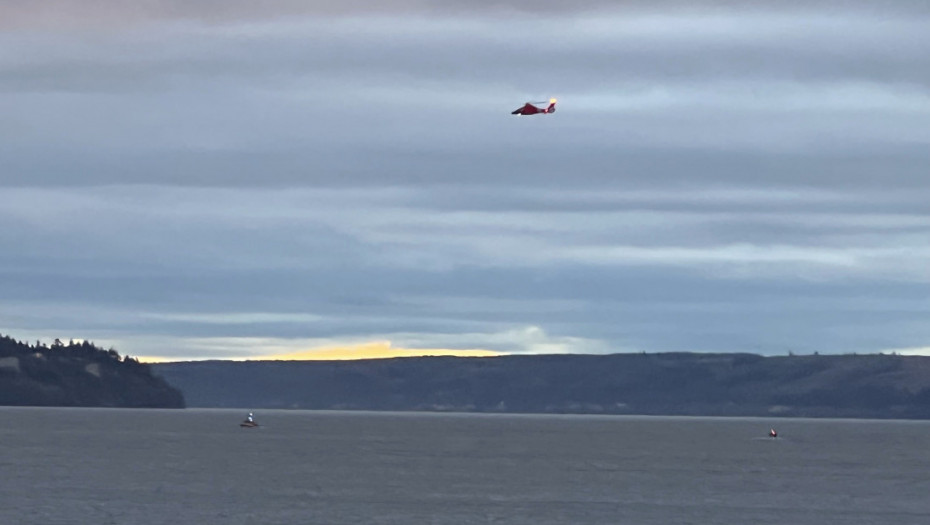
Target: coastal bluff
<point x="682" y="384"/>
<point x="79" y="375"/>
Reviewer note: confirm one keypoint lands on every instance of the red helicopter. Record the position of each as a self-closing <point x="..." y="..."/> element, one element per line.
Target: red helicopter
<point x="530" y="109"/>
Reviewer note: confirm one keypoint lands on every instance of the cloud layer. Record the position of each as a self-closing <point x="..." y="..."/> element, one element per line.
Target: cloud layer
<point x="197" y="179"/>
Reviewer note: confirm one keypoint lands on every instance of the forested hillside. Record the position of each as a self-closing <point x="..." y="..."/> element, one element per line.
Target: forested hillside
<point x="873" y="386"/>
<point x="78" y="374"/>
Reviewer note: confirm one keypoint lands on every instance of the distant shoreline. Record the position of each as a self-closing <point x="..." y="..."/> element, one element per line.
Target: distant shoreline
<point x="877" y="386"/>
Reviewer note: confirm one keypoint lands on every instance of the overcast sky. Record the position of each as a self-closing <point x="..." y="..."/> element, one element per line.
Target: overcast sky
<point x="235" y="179"/>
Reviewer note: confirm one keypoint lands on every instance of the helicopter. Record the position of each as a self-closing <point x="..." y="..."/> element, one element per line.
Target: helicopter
<point x="530" y="108"/>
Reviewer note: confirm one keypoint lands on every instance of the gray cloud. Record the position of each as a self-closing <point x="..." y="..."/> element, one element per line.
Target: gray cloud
<point x="180" y="178"/>
<point x="57" y="13"/>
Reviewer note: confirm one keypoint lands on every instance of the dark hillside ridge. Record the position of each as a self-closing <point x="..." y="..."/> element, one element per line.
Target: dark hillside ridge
<point x="856" y="386"/>
<point x="78" y="374"/>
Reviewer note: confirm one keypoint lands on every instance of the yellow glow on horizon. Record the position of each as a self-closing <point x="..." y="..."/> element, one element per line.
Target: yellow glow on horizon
<point x="153" y="359"/>
<point x="371" y="350"/>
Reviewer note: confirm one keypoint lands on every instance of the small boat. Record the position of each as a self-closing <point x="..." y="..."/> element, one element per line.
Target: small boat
<point x="249" y="422"/>
<point x="773" y="433"/>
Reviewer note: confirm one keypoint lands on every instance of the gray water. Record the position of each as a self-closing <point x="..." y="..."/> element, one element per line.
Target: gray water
<point x="109" y="466"/>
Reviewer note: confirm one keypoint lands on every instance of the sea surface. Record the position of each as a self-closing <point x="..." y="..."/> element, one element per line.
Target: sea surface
<point x="114" y="466"/>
